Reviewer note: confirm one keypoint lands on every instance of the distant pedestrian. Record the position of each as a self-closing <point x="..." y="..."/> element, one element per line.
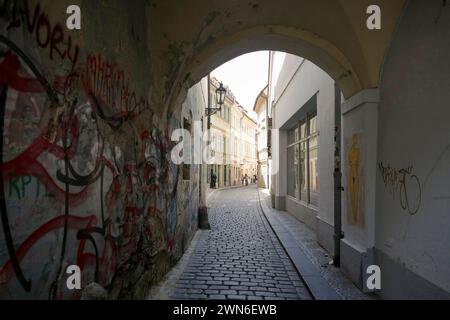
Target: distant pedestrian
<point x="213" y="180"/>
<point x="211" y="185"/>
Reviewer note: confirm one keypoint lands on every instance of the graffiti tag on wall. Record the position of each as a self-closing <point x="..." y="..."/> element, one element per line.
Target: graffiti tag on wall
<point x="48" y="35"/>
<point x="404" y="184"/>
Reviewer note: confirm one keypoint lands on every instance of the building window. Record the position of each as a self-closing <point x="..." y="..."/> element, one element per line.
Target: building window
<point x="292" y="181"/>
<point x="303" y="177"/>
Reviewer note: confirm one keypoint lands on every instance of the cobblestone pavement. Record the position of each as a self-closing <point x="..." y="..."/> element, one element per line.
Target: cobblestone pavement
<point x="240" y="257"/>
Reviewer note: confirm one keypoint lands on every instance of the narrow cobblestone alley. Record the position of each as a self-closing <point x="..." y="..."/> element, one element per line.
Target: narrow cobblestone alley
<point x="240" y="257"/>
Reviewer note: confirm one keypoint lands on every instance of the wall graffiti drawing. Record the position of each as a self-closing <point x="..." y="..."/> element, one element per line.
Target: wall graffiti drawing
<point x="403" y="183"/>
<point x="354" y="182"/>
<point x="82" y="181"/>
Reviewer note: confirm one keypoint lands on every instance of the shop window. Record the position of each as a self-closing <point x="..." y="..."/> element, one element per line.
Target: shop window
<point x="302" y="152"/>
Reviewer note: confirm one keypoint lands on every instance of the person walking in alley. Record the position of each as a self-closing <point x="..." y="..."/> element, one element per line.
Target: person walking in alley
<point x="213" y="180"/>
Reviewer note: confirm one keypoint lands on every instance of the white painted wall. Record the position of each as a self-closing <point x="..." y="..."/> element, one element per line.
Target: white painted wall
<point x="414" y="130"/>
<point x="359" y="117"/>
<point x="298" y="82"/>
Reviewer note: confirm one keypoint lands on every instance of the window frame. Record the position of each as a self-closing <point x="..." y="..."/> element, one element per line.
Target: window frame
<point x="300" y="141"/>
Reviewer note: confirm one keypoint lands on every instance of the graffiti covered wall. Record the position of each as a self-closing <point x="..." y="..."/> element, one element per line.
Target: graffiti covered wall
<point x="86" y="176"/>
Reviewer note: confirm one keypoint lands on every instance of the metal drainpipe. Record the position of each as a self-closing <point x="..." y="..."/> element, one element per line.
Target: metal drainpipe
<point x="338" y="189"/>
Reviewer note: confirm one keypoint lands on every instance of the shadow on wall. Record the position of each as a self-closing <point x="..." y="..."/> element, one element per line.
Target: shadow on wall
<point x="85" y="180"/>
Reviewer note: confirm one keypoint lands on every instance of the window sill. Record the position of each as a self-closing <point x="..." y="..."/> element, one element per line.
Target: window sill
<point x="303" y="203"/>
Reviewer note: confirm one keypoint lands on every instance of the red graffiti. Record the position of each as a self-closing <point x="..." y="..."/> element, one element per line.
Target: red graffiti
<point x="9" y="75"/>
<point x="75" y="223"/>
<point x="104" y="80"/>
<point x="27" y="164"/>
<point x="111" y="100"/>
<point x="106" y="260"/>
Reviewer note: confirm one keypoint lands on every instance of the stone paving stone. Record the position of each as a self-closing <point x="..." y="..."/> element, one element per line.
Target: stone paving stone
<point x="240" y="257"/>
<point x="204" y="286"/>
<point x="254" y="298"/>
<point x="228" y="292"/>
<point x="239" y="288"/>
<point x="287" y="295"/>
<point x="221" y="279"/>
<point x="241" y="280"/>
<point x="246" y="293"/>
<point x="257" y="288"/>
<point x="197" y="296"/>
<point x="217" y="297"/>
<point x="203" y="278"/>
<point x="195" y="291"/>
<point x="265" y="294"/>
<point x="211" y="292"/>
<point x="219" y="287"/>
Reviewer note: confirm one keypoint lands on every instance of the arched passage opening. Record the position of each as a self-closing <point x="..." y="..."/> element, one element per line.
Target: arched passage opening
<point x="373" y="132"/>
<point x="290" y="114"/>
<point x="351" y="55"/>
<point x="334" y="35"/>
<point x="196" y="42"/>
<point x="289" y="40"/>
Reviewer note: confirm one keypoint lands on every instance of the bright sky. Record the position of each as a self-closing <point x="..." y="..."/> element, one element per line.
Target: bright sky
<point x="247" y="75"/>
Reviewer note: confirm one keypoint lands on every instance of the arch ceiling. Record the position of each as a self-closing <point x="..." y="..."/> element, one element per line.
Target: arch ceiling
<point x="191" y="38"/>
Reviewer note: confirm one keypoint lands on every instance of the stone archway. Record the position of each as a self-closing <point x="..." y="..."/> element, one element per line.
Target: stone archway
<point x="189" y="43"/>
<point x="190" y="39"/>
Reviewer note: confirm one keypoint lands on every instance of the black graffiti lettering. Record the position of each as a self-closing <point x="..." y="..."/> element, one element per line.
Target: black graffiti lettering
<point x="400" y="182"/>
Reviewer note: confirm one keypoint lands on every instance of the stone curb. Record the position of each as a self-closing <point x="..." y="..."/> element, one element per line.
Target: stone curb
<point x="311" y="275"/>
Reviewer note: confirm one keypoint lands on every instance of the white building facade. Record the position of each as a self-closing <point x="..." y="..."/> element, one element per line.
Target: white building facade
<point x="262" y="153"/>
<point x="394" y="157"/>
<point x="233" y="142"/>
<point x="303" y="146"/>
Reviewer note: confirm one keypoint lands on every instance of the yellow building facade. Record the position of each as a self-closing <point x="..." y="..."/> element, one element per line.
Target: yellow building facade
<point x="233" y="142"/>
